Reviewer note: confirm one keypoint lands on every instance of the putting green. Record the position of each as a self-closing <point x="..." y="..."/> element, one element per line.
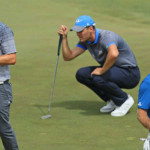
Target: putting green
<point x="76" y="122"/>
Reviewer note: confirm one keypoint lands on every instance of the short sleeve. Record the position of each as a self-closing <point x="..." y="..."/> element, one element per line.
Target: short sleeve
<point x="144" y="96"/>
<point x="7" y="41"/>
<point x="82" y="45"/>
<point x="109" y="39"/>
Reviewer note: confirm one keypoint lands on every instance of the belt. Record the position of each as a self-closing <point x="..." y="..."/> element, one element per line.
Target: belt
<point x="2" y="82"/>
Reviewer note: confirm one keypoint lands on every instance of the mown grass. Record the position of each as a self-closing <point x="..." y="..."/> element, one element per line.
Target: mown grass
<point x="76" y="122"/>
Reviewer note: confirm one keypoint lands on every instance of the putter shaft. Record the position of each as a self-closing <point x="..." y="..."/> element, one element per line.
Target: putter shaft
<point x="59" y="45"/>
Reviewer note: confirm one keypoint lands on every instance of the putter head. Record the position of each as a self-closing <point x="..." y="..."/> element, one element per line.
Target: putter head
<point x="46" y="116"/>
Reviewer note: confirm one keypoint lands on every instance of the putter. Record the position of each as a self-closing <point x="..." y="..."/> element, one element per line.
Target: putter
<point x="49" y="115"/>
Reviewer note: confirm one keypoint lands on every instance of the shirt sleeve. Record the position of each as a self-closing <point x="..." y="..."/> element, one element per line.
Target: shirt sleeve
<point x="82" y="45"/>
<point x="109" y="39"/>
<point x="144" y="96"/>
<point x="7" y="41"/>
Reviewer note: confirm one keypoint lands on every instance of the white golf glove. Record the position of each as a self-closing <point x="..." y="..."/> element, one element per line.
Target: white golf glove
<point x="146" y="145"/>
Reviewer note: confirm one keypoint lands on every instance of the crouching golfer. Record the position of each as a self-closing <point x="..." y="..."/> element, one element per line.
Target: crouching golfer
<point x="7" y="57"/>
<point x="118" y="68"/>
<point x="144" y="108"/>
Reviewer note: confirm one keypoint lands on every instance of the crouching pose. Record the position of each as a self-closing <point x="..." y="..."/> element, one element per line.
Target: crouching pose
<point x="117" y="67"/>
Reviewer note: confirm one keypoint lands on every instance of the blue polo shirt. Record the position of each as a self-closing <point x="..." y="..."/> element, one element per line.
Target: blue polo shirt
<point x="99" y="48"/>
<point x="144" y="95"/>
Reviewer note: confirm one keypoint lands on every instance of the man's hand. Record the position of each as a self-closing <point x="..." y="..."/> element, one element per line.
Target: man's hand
<point x="97" y="71"/>
<point x="146" y="145"/>
<point x="63" y="31"/>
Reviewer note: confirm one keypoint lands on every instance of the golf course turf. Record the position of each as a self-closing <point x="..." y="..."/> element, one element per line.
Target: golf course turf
<point x="76" y="123"/>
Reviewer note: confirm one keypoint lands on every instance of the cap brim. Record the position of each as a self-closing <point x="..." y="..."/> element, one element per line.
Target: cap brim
<point x="77" y="28"/>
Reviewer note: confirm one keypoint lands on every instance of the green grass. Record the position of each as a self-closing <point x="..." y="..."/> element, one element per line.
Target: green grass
<point x="76" y="122"/>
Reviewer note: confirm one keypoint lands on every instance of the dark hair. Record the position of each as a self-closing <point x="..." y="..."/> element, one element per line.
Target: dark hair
<point x="90" y="26"/>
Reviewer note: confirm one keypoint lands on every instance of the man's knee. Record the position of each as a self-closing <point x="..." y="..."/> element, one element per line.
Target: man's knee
<point x="81" y="74"/>
<point x="5" y="129"/>
<point x="4" y="122"/>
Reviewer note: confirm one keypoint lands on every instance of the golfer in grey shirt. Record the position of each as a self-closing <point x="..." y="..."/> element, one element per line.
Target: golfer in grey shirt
<point x="7" y="57"/>
<point x="117" y="67"/>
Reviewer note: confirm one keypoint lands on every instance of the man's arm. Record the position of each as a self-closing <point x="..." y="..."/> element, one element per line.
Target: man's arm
<point x="112" y="55"/>
<point x="8" y="59"/>
<point x="143" y="118"/>
<point x="68" y="54"/>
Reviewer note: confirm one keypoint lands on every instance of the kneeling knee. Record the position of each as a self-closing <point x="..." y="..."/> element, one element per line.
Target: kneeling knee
<point x="80" y="75"/>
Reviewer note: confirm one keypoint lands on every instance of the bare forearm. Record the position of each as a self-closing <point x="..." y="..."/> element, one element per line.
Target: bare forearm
<point x="145" y="123"/>
<point x="112" y="56"/>
<point x="108" y="64"/>
<point x="143" y="118"/>
<point x="67" y="54"/>
<point x="8" y="59"/>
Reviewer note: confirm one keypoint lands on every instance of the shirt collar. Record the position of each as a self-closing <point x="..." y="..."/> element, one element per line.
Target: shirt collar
<point x="96" y="36"/>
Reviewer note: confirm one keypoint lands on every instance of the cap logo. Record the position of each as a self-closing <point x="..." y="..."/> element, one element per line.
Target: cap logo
<point x="77" y="21"/>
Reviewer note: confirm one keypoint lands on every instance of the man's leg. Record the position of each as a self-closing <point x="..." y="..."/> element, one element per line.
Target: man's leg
<point x="83" y="75"/>
<point x="112" y="82"/>
<point x="113" y="90"/>
<point x="6" y="132"/>
<point x="114" y="79"/>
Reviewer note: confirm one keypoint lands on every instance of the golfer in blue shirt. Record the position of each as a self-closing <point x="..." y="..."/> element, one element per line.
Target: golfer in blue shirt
<point x="144" y="108"/>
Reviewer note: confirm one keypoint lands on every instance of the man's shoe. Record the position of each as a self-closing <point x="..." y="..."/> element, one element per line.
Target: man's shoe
<point x="124" y="108"/>
<point x="109" y="107"/>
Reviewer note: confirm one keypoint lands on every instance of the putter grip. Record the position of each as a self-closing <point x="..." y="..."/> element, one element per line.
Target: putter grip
<point x="59" y="45"/>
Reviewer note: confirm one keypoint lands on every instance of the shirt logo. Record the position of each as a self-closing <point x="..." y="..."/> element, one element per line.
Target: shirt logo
<point x="139" y="104"/>
<point x="100" y="52"/>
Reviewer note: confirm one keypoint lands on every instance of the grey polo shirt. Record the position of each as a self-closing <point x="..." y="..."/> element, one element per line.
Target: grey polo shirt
<point x="7" y="46"/>
<point x="99" y="49"/>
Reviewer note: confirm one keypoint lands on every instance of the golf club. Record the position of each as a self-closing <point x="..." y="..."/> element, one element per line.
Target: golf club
<point x="49" y="115"/>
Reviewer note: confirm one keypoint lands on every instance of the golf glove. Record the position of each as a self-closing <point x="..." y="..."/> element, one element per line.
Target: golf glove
<point x="146" y="145"/>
